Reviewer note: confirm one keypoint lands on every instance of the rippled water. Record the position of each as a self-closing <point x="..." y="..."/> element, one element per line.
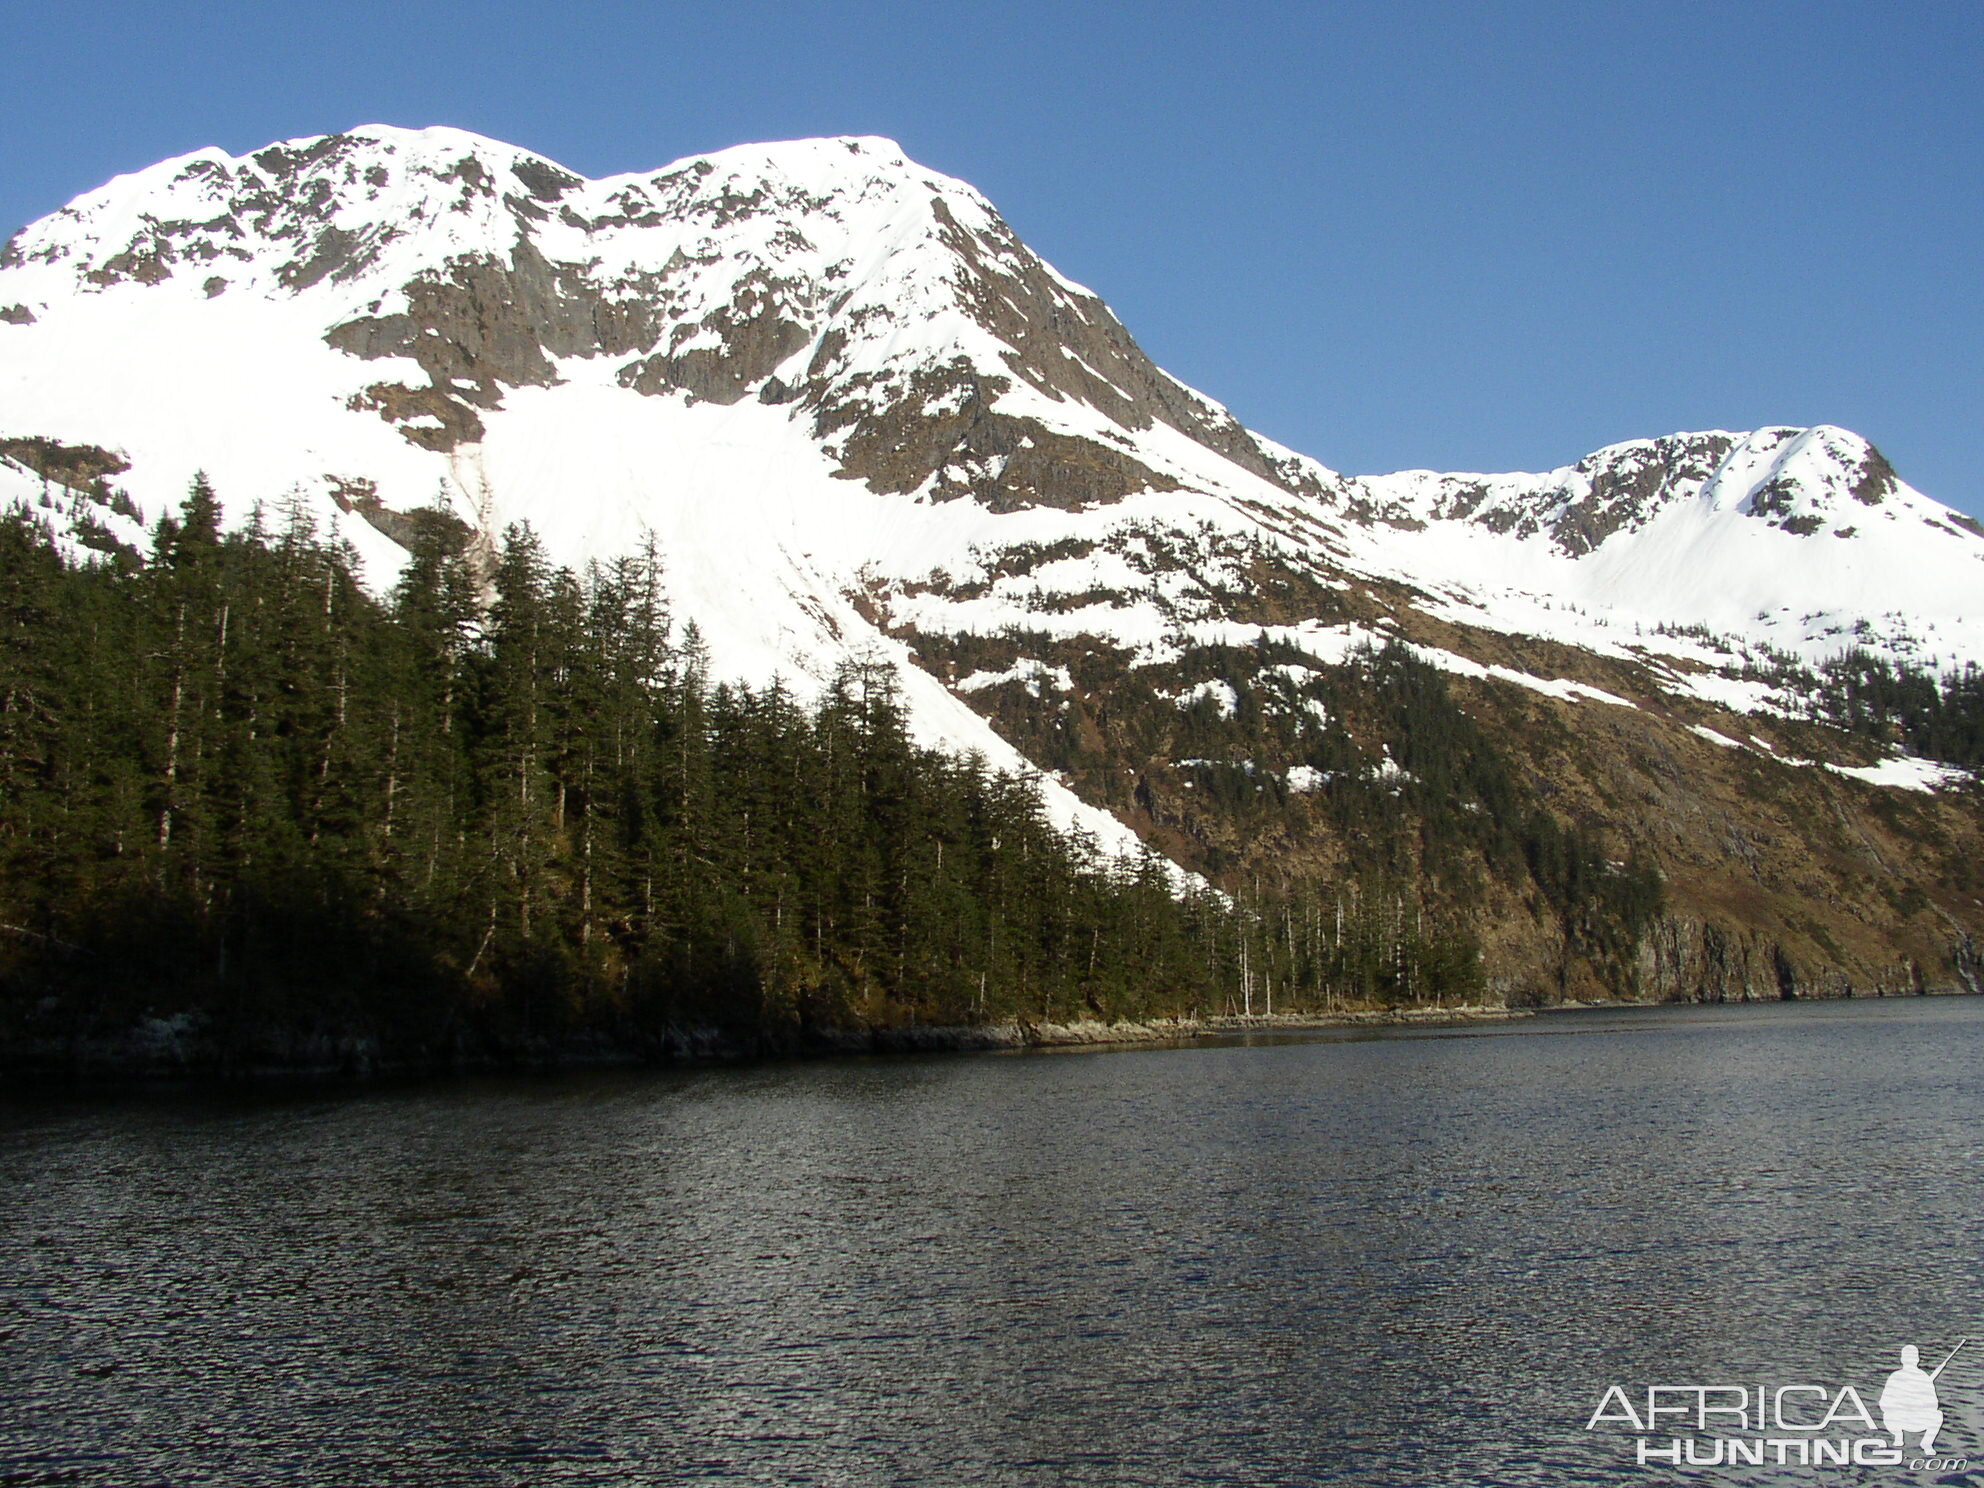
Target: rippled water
<point x="1405" y="1259"/>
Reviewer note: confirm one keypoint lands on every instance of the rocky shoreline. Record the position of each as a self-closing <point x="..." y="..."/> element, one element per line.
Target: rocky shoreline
<point x="178" y="1050"/>
<point x="1018" y="1035"/>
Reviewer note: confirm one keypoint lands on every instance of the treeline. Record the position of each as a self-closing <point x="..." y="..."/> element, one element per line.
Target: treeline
<point x="508" y="807"/>
<point x="1940" y="718"/>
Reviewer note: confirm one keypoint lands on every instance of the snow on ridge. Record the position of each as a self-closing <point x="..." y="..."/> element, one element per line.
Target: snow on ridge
<point x="215" y="303"/>
<point x="1821" y="455"/>
<point x="407" y="175"/>
<point x="1561" y="688"/>
<point x="1218" y="691"/>
<point x="1037" y="676"/>
<point x="1905" y="772"/>
<point x="1895" y="772"/>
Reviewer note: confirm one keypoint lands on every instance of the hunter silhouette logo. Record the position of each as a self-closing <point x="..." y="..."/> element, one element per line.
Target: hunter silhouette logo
<point x="1798" y="1425"/>
<point x="1908" y="1399"/>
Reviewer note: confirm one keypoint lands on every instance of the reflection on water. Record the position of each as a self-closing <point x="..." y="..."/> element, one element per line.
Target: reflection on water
<point x="1378" y="1260"/>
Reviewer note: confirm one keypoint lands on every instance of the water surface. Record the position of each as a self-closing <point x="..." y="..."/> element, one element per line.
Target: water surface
<point x="1406" y="1258"/>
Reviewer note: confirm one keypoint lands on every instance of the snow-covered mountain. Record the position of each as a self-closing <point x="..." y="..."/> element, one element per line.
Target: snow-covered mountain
<point x="861" y="417"/>
<point x="392" y="314"/>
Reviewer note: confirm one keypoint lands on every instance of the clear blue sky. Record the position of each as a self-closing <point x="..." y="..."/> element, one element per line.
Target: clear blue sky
<point x="1469" y="236"/>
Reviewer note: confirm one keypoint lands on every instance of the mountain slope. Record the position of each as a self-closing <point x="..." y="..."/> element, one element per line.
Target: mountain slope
<point x="858" y="416"/>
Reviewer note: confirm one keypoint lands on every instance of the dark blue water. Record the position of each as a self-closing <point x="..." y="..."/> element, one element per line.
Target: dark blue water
<point x="1408" y="1259"/>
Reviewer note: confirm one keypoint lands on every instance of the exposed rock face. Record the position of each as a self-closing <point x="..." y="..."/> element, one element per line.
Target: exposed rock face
<point x="482" y="326"/>
<point x="356" y="494"/>
<point x="941" y="429"/>
<point x="734" y="348"/>
<point x="1693" y="960"/>
<point x="1624" y="491"/>
<point x="78" y="467"/>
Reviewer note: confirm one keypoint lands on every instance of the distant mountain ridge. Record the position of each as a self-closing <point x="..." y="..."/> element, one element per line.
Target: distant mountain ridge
<point x="860" y="417"/>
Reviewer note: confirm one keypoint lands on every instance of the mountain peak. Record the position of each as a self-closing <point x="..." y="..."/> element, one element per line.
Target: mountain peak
<point x="890" y="305"/>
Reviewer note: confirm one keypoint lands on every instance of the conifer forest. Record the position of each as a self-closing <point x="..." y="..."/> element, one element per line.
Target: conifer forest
<point x="505" y="810"/>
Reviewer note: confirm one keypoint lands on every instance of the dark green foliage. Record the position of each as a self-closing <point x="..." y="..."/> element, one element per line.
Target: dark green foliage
<point x="1604" y="906"/>
<point x="1453" y="797"/>
<point x="1894" y="703"/>
<point x="236" y="786"/>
